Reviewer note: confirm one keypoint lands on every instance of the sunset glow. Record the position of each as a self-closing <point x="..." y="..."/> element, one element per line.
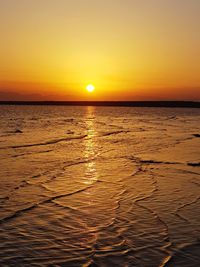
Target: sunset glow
<point x="131" y="50"/>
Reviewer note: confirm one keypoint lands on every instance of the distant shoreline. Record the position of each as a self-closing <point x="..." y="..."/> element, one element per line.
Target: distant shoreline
<point x="170" y="104"/>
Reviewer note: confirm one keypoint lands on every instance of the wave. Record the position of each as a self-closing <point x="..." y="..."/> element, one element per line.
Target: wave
<point x="35" y="205"/>
<point x="159" y="162"/>
<point x="196" y="135"/>
<point x="50" y="142"/>
<point x="194" y="164"/>
<point x="115" y="132"/>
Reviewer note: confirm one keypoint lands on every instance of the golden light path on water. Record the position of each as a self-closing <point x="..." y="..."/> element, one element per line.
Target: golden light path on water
<point x="91" y="174"/>
<point x="89" y="178"/>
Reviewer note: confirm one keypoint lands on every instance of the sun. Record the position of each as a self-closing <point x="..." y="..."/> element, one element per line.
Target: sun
<point x="90" y="88"/>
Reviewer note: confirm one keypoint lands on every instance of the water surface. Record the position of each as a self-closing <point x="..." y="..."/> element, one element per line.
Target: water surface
<point x="99" y="186"/>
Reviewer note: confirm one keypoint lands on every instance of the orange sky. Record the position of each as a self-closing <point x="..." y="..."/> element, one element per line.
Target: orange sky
<point x="129" y="50"/>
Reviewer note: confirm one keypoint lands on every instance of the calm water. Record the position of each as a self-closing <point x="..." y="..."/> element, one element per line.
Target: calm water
<point x="87" y="186"/>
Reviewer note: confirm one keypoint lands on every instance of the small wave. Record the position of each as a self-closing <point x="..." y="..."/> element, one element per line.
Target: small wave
<point x="171" y="118"/>
<point x="159" y="162"/>
<point x="22" y="184"/>
<point x="186" y="205"/>
<point x="50" y="142"/>
<point x="35" y="205"/>
<point x="115" y="132"/>
<point x="3" y="199"/>
<point x="186" y="171"/>
<point x="9" y="133"/>
<point x="31" y="153"/>
<point x="18" y="131"/>
<point x="194" y="164"/>
<point x="188" y="254"/>
<point x="196" y="135"/>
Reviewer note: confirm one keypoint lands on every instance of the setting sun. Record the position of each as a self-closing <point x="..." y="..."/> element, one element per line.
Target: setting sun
<point x="90" y="88"/>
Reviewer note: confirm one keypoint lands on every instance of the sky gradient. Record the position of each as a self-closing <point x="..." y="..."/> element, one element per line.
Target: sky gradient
<point x="128" y="49"/>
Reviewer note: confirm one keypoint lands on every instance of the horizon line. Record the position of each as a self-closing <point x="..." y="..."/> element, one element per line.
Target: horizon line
<point x="146" y="103"/>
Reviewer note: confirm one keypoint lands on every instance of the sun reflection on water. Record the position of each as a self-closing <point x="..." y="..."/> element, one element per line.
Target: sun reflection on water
<point x="90" y="147"/>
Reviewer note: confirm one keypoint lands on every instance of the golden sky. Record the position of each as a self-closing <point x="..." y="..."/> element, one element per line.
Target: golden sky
<point x="128" y="49"/>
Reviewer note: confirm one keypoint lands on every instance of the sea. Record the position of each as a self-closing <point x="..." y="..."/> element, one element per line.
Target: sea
<point x="99" y="186"/>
